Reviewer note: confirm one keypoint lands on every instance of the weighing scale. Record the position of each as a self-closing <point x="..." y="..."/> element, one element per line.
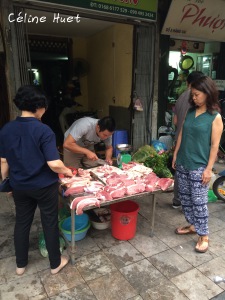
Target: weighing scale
<point x="123" y="156"/>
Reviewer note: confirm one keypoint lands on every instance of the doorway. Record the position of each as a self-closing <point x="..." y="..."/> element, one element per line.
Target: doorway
<point x="96" y="69"/>
<point x="50" y="61"/>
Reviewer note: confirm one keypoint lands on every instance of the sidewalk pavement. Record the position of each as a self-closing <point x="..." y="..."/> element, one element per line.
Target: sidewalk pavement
<point x="165" y="266"/>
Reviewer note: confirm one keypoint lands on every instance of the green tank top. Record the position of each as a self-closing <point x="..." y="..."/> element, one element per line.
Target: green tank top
<point x="196" y="140"/>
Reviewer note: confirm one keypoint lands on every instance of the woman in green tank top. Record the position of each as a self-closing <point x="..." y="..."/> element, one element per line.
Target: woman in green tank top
<point x="194" y="156"/>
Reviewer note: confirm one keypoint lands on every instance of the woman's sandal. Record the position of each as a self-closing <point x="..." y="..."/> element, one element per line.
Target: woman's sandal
<point x="185" y="230"/>
<point x="202" y="244"/>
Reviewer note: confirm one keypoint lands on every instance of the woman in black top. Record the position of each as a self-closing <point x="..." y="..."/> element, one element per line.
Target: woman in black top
<point x="30" y="158"/>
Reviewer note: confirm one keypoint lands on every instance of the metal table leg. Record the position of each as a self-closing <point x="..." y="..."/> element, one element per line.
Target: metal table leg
<point x="153" y="215"/>
<point x="72" y="256"/>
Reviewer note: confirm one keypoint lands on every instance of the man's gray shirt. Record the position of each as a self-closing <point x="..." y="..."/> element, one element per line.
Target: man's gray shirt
<point x="181" y="107"/>
<point x="84" y="133"/>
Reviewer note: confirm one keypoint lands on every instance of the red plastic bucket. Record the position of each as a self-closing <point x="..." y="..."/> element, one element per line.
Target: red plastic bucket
<point x="124" y="219"/>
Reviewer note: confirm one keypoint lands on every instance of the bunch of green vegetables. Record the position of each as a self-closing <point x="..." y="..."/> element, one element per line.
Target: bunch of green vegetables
<point x="143" y="153"/>
<point x="158" y="162"/>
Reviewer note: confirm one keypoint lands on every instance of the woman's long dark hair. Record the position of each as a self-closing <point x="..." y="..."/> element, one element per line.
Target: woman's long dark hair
<point x="206" y="85"/>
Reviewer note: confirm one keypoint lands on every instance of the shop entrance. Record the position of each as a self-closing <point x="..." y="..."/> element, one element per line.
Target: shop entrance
<point x="119" y="64"/>
<point x="84" y="68"/>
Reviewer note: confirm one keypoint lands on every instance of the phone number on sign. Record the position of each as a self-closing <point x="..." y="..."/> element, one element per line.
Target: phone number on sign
<point x="109" y="7"/>
<point x="119" y="9"/>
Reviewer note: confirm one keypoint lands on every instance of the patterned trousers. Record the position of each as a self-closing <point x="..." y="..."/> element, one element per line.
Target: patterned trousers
<point x="194" y="198"/>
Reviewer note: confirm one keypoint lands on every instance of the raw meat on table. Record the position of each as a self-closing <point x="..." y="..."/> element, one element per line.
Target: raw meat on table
<point x="86" y="200"/>
<point x="151" y="188"/>
<point x="132" y="174"/>
<point x="94" y="186"/>
<point x="66" y="180"/>
<point x="118" y="185"/>
<point x="84" y="173"/>
<point x="116" y="191"/>
<point x="106" y="170"/>
<point x="103" y="196"/>
<point x="113" y="181"/>
<point x="69" y="182"/>
<point x="151" y="178"/>
<point x="76" y="200"/>
<point x="74" y="190"/>
<point x="136" y="167"/>
<point x="83" y="181"/>
<point x="128" y="166"/>
<point x="165" y="183"/>
<point x="128" y="182"/>
<point x="135" y="188"/>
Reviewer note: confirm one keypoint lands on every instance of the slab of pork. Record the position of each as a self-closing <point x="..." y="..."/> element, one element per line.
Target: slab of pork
<point x="94" y="187"/>
<point x="165" y="183"/>
<point x="86" y="202"/>
<point x="76" y="200"/>
<point x="74" y="190"/>
<point x="135" y="188"/>
<point x="103" y="196"/>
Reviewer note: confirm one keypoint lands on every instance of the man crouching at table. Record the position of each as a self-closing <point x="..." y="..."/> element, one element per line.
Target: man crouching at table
<point x="81" y="137"/>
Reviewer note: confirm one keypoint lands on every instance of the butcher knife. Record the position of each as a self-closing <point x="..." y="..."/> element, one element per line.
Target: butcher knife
<point x="96" y="177"/>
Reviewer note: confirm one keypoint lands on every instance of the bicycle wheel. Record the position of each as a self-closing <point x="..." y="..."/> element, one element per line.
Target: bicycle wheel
<point x="219" y="188"/>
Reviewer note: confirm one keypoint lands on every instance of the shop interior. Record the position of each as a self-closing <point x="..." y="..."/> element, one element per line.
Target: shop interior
<point x="185" y="57"/>
<point x="65" y="60"/>
<point x="188" y="56"/>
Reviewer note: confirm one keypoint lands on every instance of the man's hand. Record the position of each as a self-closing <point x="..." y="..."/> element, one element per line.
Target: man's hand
<point x="108" y="155"/>
<point x="109" y="161"/>
<point x="91" y="155"/>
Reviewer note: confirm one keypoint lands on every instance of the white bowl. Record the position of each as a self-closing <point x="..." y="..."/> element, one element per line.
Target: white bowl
<point x="100" y="225"/>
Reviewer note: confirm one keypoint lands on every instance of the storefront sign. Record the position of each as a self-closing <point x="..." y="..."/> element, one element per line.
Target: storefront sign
<point x="137" y="9"/>
<point x="204" y="19"/>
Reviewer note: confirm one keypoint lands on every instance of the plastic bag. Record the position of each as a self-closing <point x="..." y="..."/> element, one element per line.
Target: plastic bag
<point x="159" y="146"/>
<point x="42" y="245"/>
<point x="213" y="178"/>
<point x="211" y="196"/>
